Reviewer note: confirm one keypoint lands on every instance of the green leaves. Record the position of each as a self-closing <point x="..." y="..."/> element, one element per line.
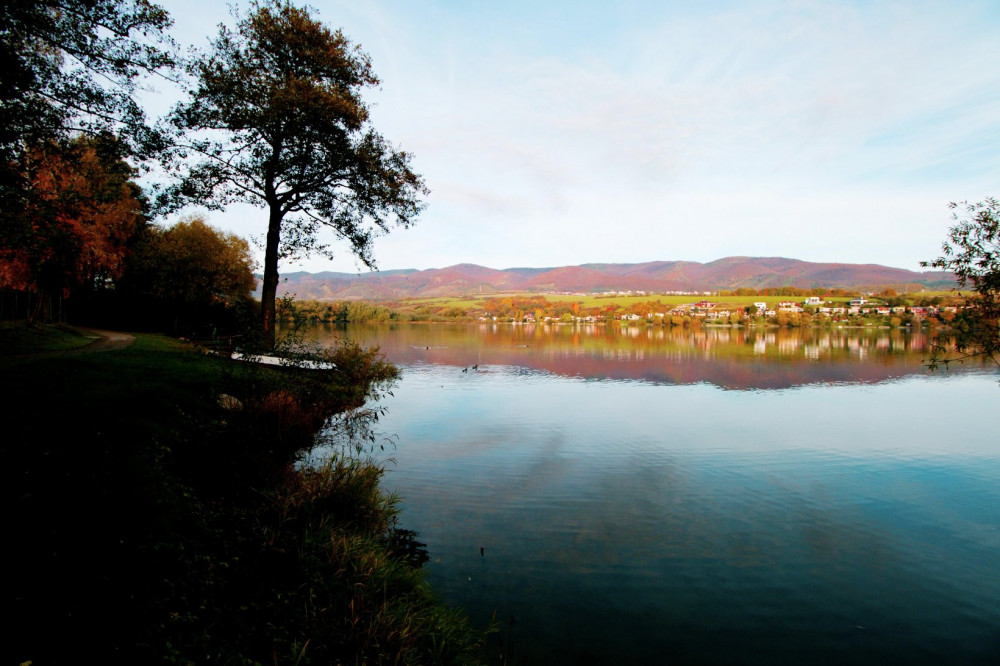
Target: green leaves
<point x="972" y="252"/>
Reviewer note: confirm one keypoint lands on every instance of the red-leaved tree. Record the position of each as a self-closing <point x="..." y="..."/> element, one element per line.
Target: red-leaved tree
<point x="74" y="230"/>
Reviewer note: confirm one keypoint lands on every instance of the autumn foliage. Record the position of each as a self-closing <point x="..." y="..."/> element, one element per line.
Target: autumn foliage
<point x="72" y="230"/>
<point x="186" y="275"/>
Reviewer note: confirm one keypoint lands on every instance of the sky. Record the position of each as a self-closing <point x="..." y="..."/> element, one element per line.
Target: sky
<point x="560" y="133"/>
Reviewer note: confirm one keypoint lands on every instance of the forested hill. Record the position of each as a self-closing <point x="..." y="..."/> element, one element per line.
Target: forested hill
<point x="655" y="276"/>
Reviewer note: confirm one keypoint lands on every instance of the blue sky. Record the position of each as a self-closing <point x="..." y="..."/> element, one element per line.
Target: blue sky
<point x="559" y="133"/>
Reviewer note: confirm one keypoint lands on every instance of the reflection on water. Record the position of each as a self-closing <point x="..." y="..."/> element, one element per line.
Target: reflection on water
<point x="838" y="518"/>
<point x="733" y="358"/>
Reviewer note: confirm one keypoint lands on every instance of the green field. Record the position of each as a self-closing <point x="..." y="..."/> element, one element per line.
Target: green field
<point x="673" y="300"/>
<point x="593" y="300"/>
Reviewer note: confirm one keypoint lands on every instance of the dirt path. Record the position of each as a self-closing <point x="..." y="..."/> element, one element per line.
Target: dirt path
<point x="105" y="341"/>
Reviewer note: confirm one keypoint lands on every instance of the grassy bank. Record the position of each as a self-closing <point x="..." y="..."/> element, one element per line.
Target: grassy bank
<point x="18" y="338"/>
<point x="158" y="516"/>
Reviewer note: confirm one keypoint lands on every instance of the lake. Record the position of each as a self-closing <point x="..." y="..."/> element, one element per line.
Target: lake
<point x="717" y="496"/>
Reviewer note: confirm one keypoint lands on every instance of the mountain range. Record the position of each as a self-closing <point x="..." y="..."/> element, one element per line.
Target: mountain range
<point x="654" y="276"/>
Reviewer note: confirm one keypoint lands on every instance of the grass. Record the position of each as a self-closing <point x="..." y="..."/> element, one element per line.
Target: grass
<point x="152" y="522"/>
<point x="21" y="338"/>
<point x="447" y="301"/>
<point x="593" y="300"/>
<point x="673" y="300"/>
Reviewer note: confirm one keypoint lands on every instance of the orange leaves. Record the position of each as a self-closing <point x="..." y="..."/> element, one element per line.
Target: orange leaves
<point x="82" y="210"/>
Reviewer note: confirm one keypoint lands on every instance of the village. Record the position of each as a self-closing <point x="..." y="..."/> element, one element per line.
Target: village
<point x="813" y="310"/>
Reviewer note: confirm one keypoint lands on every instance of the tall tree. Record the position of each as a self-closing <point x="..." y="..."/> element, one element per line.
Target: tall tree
<point x="278" y="121"/>
<point x="972" y="252"/>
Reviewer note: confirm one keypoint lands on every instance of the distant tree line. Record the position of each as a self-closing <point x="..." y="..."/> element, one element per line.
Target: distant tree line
<point x="538" y="308"/>
<point x="338" y="312"/>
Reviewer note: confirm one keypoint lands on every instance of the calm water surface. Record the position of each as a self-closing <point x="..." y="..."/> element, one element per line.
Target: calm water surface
<point x="716" y="497"/>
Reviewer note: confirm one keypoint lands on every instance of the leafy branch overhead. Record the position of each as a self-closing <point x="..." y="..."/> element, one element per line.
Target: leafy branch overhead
<point x="72" y="67"/>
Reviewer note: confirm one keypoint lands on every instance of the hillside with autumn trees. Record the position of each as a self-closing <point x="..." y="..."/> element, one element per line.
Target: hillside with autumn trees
<point x="658" y="277"/>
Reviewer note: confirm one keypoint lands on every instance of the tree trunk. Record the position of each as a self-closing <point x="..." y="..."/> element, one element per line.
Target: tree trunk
<point x="38" y="312"/>
<point x="269" y="287"/>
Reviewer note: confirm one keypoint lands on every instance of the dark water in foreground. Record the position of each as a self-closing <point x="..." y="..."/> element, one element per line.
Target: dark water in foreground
<point x="717" y="498"/>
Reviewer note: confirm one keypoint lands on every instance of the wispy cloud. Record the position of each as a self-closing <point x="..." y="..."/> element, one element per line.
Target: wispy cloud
<point x="556" y="133"/>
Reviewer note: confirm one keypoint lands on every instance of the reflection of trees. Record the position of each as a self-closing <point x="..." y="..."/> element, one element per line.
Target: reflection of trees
<point x="729" y="357"/>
